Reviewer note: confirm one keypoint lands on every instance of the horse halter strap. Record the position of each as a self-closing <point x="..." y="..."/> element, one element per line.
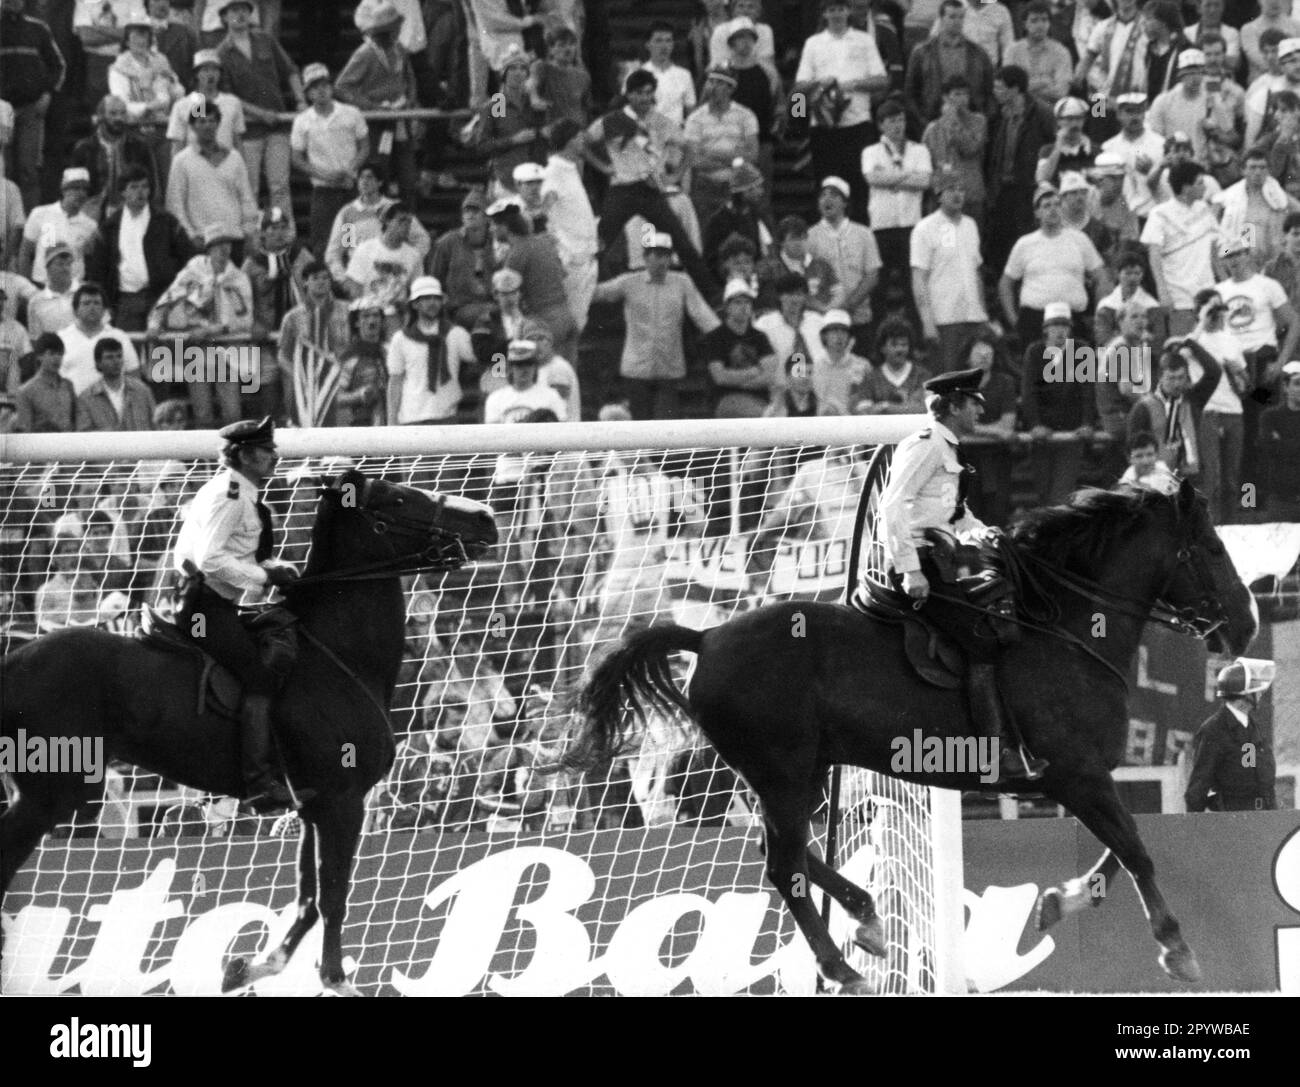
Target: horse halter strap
<point x="434" y="557"/>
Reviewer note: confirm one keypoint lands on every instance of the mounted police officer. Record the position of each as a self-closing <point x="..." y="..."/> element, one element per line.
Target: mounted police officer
<point x="1232" y="755"/>
<point x="223" y="551"/>
<point x="933" y="541"/>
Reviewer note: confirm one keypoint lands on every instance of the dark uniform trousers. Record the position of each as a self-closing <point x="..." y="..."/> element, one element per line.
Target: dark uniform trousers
<point x="225" y="638"/>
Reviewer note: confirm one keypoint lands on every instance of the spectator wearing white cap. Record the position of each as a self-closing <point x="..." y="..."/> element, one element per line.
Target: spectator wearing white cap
<point x="528" y="178"/>
<point x="720" y="37"/>
<point x="425" y="361"/>
<point x="329" y="142"/>
<point x="1141" y="150"/>
<point x="1051" y="264"/>
<point x="839" y="369"/>
<point x="1273" y="15"/>
<point x="50" y="308"/>
<point x="379" y="76"/>
<point x="569" y="216"/>
<point x="207" y="75"/>
<point x="1279" y="449"/>
<point x="1184" y="108"/>
<point x="1071" y="150"/>
<point x="946" y="282"/>
<point x="1045" y="59"/>
<point x="655" y="303"/>
<point x="256" y="68"/>
<point x="1109" y="206"/>
<point x="1049" y="407"/>
<point x="1180" y="236"/>
<point x="839" y="69"/>
<point x="848" y="247"/>
<point x="741" y="363"/>
<point x="65" y="221"/>
<point x="1258" y="308"/>
<point x="1076" y="214"/>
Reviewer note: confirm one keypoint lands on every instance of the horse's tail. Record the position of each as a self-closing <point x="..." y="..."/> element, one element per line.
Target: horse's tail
<point x="636" y="672"/>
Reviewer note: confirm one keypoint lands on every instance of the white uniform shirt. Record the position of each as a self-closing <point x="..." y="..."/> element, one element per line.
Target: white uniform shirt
<point x="921" y="494"/>
<point x="408" y="359"/>
<point x="220" y="535"/>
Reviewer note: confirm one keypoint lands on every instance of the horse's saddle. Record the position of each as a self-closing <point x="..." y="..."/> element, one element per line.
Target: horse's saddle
<point x="933" y="655"/>
<point x="220" y="691"/>
<point x="936" y="656"/>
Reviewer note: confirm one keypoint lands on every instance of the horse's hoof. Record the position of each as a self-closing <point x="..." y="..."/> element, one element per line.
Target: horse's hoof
<point x="342" y="987"/>
<point x="236" y="975"/>
<point x="870" y="936"/>
<point x="1049" y="909"/>
<point x="1180" y="964"/>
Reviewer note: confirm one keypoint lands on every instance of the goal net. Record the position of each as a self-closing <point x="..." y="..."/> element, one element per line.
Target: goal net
<point x="478" y="872"/>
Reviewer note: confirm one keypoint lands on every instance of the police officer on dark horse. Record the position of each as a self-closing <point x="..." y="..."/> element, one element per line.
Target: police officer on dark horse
<point x="931" y="536"/>
<point x="223" y="551"/>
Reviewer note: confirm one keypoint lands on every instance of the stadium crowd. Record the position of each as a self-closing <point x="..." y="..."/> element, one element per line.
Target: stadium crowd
<point x="1098" y="205"/>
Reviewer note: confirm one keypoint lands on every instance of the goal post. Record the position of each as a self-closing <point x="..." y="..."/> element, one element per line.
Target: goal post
<point x="606" y="526"/>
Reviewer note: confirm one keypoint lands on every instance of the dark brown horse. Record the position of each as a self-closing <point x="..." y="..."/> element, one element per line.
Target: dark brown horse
<point x="789" y="690"/>
<point x="331" y="722"/>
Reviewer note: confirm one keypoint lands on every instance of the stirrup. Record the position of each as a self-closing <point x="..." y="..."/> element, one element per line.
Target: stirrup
<point x="1024" y="767"/>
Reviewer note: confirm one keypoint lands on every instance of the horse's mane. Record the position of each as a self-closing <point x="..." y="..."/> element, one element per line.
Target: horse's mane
<point x="1074" y="533"/>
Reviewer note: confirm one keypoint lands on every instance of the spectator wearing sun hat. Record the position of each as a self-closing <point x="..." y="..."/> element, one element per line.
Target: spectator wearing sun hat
<point x="655" y="303"/>
<point x="1275" y="19"/>
<point x="1141" y="149"/>
<point x="1183" y="108"/>
<point x="207" y="74"/>
<point x="1071" y="150"/>
<point x="1110" y="207"/>
<point x="742" y="365"/>
<point x="64" y="221"/>
<point x="426" y="361"/>
<point x="329" y="142"/>
<point x="848" y="247"/>
<point x="379" y="76"/>
<point x="528" y="178"/>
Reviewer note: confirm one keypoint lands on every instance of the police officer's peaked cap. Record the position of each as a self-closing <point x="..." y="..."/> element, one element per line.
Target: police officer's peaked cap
<point x="966" y="382"/>
<point x="249" y="432"/>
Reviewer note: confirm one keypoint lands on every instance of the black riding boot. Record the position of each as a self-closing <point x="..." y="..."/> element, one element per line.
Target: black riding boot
<point x="989" y="719"/>
<point x="264" y="792"/>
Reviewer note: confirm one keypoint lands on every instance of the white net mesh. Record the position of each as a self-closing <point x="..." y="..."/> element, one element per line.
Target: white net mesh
<point x="474" y="864"/>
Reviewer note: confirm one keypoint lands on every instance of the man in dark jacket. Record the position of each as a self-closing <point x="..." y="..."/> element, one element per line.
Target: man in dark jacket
<point x="1233" y="767"/>
<point x="136" y="264"/>
<point x="31" y="70"/>
<point x="932" y="60"/>
<point x="1022" y="126"/>
<point x="1173" y="412"/>
<point x="107" y="153"/>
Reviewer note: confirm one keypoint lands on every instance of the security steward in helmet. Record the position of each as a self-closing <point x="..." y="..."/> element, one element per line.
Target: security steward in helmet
<point x="1233" y="768"/>
<point x="223" y="551"/>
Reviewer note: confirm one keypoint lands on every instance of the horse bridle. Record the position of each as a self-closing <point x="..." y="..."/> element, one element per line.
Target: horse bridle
<point x="446" y="550"/>
<point x="1190" y="620"/>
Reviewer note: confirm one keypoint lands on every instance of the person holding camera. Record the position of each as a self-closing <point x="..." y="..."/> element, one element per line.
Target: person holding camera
<point x="1222" y="432"/>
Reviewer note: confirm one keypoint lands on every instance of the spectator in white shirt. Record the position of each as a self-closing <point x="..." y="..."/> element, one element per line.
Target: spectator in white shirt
<point x="1180" y="236"/>
<point x="88" y="327"/>
<point x="209" y="185"/>
<point x="569" y="217"/>
<point x="898" y="171"/>
<point x="793" y="330"/>
<point x="1141" y="149"/>
<point x="385" y="266"/>
<point x="675" y="93"/>
<point x="329" y="142"/>
<point x="51" y="308"/>
<point x="425" y="360"/>
<point x="61" y="222"/>
<point x="946" y="284"/>
<point x="207" y="73"/>
<point x="720" y="52"/>
<point x="839" y="69"/>
<point x="1220" y="432"/>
